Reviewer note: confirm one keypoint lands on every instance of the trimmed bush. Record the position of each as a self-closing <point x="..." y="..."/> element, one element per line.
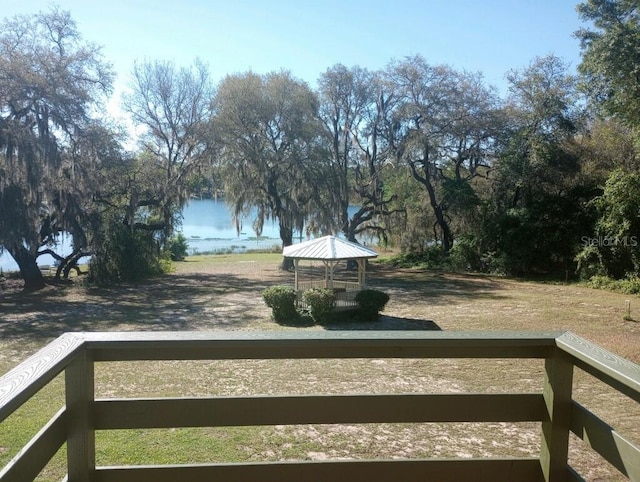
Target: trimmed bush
<point x="282" y="300"/>
<point x="321" y="303"/>
<point x="371" y="303"/>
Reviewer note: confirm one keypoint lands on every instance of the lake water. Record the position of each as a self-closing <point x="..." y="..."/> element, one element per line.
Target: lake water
<point x="208" y="227"/>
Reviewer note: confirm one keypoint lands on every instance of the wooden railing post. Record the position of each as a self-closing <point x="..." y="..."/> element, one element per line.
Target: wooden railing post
<point x="79" y="382"/>
<point x="557" y="390"/>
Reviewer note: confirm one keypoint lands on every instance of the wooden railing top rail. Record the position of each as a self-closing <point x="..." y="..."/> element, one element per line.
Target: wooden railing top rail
<point x="24" y="381"/>
<point x="608" y="367"/>
<point x="317" y="344"/>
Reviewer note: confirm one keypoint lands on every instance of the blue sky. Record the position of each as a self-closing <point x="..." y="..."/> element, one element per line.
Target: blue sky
<point x="307" y="37"/>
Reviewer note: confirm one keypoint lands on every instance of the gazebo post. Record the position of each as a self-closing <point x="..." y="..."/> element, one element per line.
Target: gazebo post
<point x="329" y="266"/>
<point x="296" y="262"/>
<point x="362" y="270"/>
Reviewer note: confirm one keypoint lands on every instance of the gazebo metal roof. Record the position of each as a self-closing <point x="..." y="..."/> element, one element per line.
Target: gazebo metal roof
<point x="328" y="248"/>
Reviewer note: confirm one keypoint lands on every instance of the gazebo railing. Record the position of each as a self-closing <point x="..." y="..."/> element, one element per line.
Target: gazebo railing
<point x="344" y="291"/>
<point x="553" y="408"/>
<point x="321" y="283"/>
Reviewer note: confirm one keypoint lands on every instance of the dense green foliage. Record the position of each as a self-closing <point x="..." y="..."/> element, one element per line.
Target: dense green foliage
<point x="371" y="303"/>
<point x="629" y="286"/>
<point x="424" y="158"/>
<point x="320" y="302"/>
<point x="178" y="247"/>
<point x="614" y="249"/>
<point x="610" y="56"/>
<point x="127" y="255"/>
<point x="282" y="300"/>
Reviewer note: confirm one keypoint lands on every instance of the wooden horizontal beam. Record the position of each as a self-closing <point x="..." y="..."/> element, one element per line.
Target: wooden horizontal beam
<point x="478" y="470"/>
<point x="601" y="437"/>
<point x="326" y="409"/>
<point x="36" y="454"/>
<point x="127" y="346"/>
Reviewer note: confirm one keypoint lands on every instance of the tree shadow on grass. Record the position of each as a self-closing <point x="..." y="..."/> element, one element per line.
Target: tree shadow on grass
<point x="301" y="321"/>
<point x="409" y="285"/>
<point x="173" y="302"/>
<point x="209" y="301"/>
<point x="348" y="322"/>
<point x="383" y="323"/>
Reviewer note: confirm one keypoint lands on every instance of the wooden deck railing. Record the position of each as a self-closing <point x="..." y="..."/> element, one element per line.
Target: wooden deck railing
<point x="556" y="411"/>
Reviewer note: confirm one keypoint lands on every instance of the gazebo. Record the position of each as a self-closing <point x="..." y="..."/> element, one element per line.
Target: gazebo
<point x="330" y="250"/>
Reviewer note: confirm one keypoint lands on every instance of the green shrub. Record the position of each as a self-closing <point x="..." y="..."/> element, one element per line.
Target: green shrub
<point x="126" y="255"/>
<point x="431" y="257"/>
<point x="321" y="303"/>
<point x="590" y="263"/>
<point x="371" y="303"/>
<point x="465" y="255"/>
<point x="629" y="286"/>
<point x="282" y="300"/>
<point x="178" y="247"/>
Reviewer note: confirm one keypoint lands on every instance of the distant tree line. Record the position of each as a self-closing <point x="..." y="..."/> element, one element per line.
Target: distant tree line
<point x="436" y="162"/>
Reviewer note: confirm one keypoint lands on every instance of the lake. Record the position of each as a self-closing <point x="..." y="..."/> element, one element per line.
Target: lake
<point x="208" y="227"/>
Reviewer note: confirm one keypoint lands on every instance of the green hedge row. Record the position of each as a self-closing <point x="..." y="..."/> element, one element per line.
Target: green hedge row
<point x="321" y="303"/>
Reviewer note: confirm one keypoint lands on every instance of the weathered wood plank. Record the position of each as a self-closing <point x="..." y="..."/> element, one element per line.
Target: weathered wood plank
<point x="554" y="444"/>
<point x="34" y="456"/>
<point x="601" y="437"/>
<point x="291" y="410"/>
<point x="24" y="381"/>
<point x="620" y="373"/>
<point x="456" y="470"/>
<point x="126" y="346"/>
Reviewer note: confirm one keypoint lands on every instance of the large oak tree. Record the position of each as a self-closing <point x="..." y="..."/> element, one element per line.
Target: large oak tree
<point x="443" y="128"/>
<point x="50" y="82"/>
<point x="354" y="108"/>
<point x="271" y="151"/>
<point x="171" y="106"/>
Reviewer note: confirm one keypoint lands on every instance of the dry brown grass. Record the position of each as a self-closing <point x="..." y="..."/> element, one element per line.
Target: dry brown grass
<point x="223" y="293"/>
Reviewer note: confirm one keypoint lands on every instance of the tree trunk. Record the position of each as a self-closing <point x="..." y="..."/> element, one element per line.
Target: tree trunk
<point x="286" y="235"/>
<point x="446" y="236"/>
<point x="31" y="274"/>
<point x="441" y="220"/>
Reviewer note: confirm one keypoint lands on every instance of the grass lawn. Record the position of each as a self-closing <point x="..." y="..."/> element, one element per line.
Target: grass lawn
<point x="222" y="292"/>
